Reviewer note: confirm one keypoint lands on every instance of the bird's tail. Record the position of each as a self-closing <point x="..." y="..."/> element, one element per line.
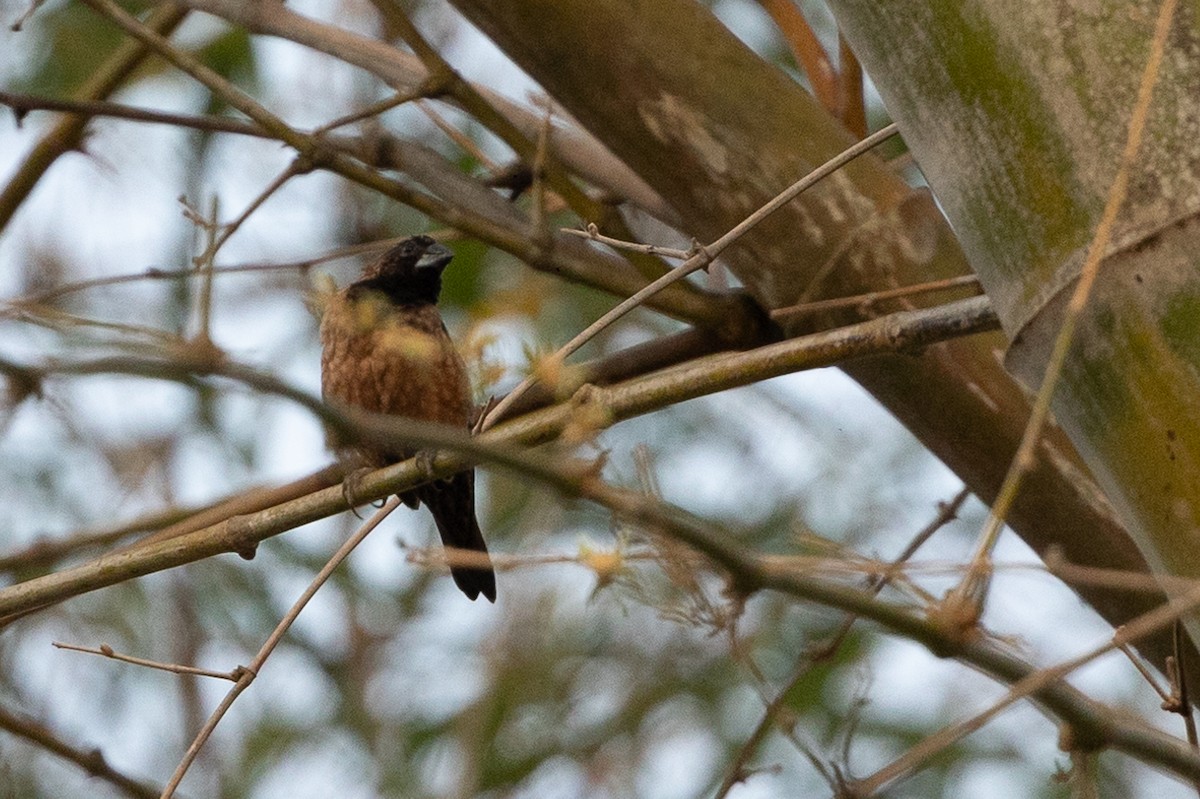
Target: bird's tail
<point x="452" y="503"/>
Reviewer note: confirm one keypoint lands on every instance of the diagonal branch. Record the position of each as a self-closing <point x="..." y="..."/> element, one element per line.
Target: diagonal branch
<point x="572" y="146"/>
<point x="899" y="332"/>
<point x="314" y="152"/>
<point x="704" y="255"/>
<point x="92" y="761"/>
<point x="247" y="674"/>
<point x="1090" y="722"/>
<point x="67" y="133"/>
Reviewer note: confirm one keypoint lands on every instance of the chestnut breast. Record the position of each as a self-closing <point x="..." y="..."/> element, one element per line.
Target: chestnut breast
<point x="392" y="359"/>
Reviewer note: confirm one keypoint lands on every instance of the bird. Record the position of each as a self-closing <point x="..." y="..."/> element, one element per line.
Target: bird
<point x="385" y="349"/>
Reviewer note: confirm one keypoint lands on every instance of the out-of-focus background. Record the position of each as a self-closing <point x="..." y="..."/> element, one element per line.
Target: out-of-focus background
<point x="392" y="683"/>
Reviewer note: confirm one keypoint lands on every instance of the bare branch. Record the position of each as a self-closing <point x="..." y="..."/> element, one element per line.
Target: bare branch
<point x="404" y="72"/>
<point x="67" y="133"/>
<point x="242" y="533"/>
<point x="92" y="760"/>
<point x="947" y="512"/>
<point x="104" y="650"/>
<point x="246" y="675"/>
<point x="704" y="256"/>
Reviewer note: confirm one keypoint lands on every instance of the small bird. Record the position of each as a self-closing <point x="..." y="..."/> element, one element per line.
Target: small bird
<point x="385" y="349"/>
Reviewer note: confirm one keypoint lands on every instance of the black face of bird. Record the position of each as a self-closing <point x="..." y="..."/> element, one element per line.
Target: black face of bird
<point x="410" y="273"/>
<point x="436" y="257"/>
<point x="411" y="257"/>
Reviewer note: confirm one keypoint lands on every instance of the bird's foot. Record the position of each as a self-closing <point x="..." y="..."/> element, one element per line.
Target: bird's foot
<point x="352" y="488"/>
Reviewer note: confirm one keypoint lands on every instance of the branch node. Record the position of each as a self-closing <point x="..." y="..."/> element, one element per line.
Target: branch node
<point x="590" y="413"/>
<point x="957" y="615"/>
<point x="311" y="159"/>
<point x="94" y="763"/>
<point x="243" y="672"/>
<point x="23" y="382"/>
<point x="699" y="250"/>
<point x="440" y="82"/>
<point x="239" y="534"/>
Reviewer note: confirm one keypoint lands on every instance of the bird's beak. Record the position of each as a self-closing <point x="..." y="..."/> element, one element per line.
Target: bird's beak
<point x="435" y="257"/>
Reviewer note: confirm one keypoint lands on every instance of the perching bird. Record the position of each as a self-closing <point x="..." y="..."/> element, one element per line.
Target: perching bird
<point x="384" y="348"/>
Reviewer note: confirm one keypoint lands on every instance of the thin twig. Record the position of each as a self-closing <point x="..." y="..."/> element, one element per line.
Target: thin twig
<point x="156" y="273"/>
<point x="1163" y="694"/>
<point x="32" y="9"/>
<point x="702" y="258"/>
<point x="947" y="512"/>
<point x="443" y="556"/>
<point x="372" y="110"/>
<point x="204" y="264"/>
<point x="1182" y="702"/>
<point x="1029" y="685"/>
<point x="592" y="233"/>
<point x="1181" y="686"/>
<point x="247" y="674"/>
<point x="90" y="760"/>
<point x="104" y="650"/>
<point x="457" y="136"/>
<point x="59" y="320"/>
<point x="24" y="103"/>
<point x="870" y="298"/>
<point x="971" y="592"/>
<point x="634" y="397"/>
<point x="216" y="241"/>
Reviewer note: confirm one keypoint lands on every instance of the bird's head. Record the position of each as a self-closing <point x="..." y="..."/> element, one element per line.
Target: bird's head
<point x="410" y="273"/>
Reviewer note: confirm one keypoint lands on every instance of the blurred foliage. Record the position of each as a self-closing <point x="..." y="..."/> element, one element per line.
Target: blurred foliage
<point x="231" y="55"/>
<point x="73" y="42"/>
